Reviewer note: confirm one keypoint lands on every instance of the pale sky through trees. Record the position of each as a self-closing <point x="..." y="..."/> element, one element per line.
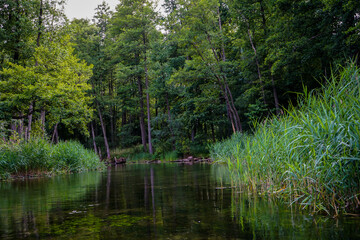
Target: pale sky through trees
<point x="86" y="8"/>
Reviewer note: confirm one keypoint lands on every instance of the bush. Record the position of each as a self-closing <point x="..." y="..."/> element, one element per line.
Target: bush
<point x="39" y="156"/>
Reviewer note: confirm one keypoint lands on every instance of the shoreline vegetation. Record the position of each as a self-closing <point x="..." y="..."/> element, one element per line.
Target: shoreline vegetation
<point x="39" y="157"/>
<point x="308" y="157"/>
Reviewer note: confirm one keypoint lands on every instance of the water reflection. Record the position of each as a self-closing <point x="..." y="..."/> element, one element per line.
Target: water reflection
<point x="166" y="201"/>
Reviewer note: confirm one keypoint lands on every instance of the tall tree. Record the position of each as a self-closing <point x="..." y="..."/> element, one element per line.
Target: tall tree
<point x="133" y="26"/>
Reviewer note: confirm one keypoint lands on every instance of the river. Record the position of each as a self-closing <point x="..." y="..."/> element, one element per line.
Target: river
<point x="159" y="201"/>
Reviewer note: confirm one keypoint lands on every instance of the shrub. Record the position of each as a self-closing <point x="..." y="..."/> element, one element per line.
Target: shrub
<point x="39" y="156"/>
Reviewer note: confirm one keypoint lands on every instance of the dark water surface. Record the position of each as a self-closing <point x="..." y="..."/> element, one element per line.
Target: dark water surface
<point x="166" y="201"/>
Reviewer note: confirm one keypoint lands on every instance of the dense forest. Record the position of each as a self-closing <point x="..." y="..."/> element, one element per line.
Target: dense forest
<point x="169" y="80"/>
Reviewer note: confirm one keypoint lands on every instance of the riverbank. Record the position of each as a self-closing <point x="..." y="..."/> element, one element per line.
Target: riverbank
<point x="310" y="156"/>
<point x="39" y="157"/>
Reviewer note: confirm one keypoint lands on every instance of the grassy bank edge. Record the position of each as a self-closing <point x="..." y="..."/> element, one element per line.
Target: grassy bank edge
<point x="310" y="157"/>
<point x="39" y="157"/>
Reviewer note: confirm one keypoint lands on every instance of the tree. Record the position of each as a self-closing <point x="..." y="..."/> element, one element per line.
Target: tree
<point x="58" y="82"/>
<point x="133" y="27"/>
<point x="201" y="32"/>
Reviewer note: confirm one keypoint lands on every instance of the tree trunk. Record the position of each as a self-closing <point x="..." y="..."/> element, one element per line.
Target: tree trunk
<point x="54" y="138"/>
<point x="236" y="114"/>
<point x="31" y="108"/>
<point x="112" y="111"/>
<point x="148" y="106"/>
<point x="221" y="34"/>
<point x="104" y="133"/>
<point x="123" y="118"/>
<point x="234" y="117"/>
<point x="193" y="133"/>
<point x="170" y="121"/>
<point x="278" y="112"/>
<point x="223" y="88"/>
<point x="93" y="137"/>
<point x="112" y="127"/>
<point x="257" y="65"/>
<point x="142" y="121"/>
<point x="42" y="117"/>
<point x="276" y="99"/>
<point x="20" y="128"/>
<point x="40" y="24"/>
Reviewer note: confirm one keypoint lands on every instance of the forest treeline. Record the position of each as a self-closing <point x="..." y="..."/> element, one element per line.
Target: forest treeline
<point x="175" y="79"/>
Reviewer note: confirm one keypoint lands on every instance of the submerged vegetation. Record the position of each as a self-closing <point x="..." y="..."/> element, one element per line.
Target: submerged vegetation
<point x="38" y="156"/>
<point x="310" y="156"/>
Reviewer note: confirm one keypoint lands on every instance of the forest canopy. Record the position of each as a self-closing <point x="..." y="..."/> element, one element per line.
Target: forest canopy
<point x="171" y="80"/>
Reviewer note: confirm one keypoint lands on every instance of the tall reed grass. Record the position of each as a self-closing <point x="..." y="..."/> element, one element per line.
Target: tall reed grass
<point x="38" y="156"/>
<point x="310" y="156"/>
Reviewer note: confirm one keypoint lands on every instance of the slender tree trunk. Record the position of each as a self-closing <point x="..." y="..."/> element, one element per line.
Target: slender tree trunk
<point x="142" y="121"/>
<point x="236" y="114"/>
<point x="278" y="112"/>
<point x="31" y="108"/>
<point x="112" y="128"/>
<point x="221" y="34"/>
<point x="54" y="138"/>
<point x="148" y="109"/>
<point x="276" y="99"/>
<point x="104" y="133"/>
<point x="20" y="128"/>
<point x="236" y="122"/>
<point x="170" y="121"/>
<point x="40" y="24"/>
<point x="42" y="117"/>
<point x="93" y="137"/>
<point x="123" y="118"/>
<point x="257" y="65"/>
<point x="17" y="40"/>
<point x="36" y="64"/>
<point x="229" y="108"/>
<point x="112" y="110"/>
<point x="232" y="110"/>
<point x="147" y="98"/>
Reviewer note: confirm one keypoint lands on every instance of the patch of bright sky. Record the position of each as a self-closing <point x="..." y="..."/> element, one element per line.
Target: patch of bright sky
<point x="86" y="8"/>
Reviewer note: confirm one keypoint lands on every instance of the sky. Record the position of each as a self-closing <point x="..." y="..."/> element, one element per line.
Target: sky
<point x="86" y="8"/>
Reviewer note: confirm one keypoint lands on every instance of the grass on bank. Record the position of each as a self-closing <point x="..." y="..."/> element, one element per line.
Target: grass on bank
<point x="38" y="157"/>
<point x="310" y="156"/>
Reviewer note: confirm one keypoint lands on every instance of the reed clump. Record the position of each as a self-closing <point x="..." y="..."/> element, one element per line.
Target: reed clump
<point x="38" y="157"/>
<point x="310" y="156"/>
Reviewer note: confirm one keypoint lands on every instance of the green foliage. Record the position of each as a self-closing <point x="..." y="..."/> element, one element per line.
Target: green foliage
<point x="41" y="157"/>
<point x="310" y="156"/>
<point x="56" y="81"/>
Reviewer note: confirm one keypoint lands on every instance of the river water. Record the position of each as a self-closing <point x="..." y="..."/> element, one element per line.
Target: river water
<point x="164" y="201"/>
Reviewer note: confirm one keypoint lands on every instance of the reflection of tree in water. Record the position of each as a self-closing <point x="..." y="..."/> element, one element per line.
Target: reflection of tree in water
<point x="25" y="205"/>
<point x="156" y="202"/>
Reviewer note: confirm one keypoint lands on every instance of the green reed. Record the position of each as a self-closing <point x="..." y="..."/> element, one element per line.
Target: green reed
<point x="310" y="156"/>
<point x="38" y="157"/>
